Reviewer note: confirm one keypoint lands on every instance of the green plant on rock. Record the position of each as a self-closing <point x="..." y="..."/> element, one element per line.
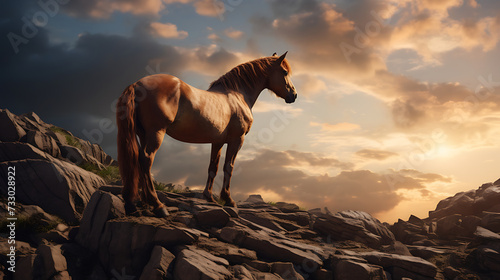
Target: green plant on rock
<point x="70" y="139"/>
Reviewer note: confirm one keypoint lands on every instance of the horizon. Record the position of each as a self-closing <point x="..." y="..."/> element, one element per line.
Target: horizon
<point x="397" y="103"/>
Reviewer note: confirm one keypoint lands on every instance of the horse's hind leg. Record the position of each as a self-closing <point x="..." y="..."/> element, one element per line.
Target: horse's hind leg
<point x="212" y="170"/>
<point x="231" y="152"/>
<point x="149" y="146"/>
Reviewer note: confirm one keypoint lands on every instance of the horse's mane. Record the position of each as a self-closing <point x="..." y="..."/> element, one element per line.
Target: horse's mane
<point x="248" y="73"/>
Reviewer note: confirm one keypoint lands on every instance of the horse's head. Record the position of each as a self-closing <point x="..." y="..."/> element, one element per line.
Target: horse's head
<point x="279" y="79"/>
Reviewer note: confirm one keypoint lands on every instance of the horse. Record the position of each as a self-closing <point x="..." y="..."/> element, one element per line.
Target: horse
<point x="163" y="104"/>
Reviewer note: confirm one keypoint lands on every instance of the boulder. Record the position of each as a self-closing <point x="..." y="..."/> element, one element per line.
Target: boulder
<point x="286" y="271"/>
<point x="196" y="264"/>
<point x="213" y="217"/>
<point x="78" y="157"/>
<point x="102" y="207"/>
<point x="58" y="187"/>
<point x="491" y="221"/>
<point x="11" y="131"/>
<point x="273" y="246"/>
<point x="49" y="263"/>
<point x="351" y="270"/>
<point x="371" y="224"/>
<point x="127" y="242"/>
<point x="232" y="253"/>
<point x="43" y="142"/>
<point x="412" y="264"/>
<point x="450" y="226"/>
<point x="286" y="207"/>
<point x="472" y="202"/>
<point x="159" y="263"/>
<point x="337" y="227"/>
<point x="488" y="259"/>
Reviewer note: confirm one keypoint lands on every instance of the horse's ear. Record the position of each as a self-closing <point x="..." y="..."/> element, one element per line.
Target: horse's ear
<point x="280" y="59"/>
<point x="274" y="54"/>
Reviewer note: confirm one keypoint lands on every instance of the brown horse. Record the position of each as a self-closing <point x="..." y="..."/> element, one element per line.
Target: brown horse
<point x="162" y="104"/>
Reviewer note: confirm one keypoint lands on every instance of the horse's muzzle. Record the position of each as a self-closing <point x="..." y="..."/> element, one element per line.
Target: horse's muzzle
<point x="290" y="98"/>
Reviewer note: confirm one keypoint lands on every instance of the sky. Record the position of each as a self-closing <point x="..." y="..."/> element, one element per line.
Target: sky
<point x="398" y="100"/>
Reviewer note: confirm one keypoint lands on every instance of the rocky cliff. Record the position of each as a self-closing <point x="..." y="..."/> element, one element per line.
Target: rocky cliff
<point x="71" y="225"/>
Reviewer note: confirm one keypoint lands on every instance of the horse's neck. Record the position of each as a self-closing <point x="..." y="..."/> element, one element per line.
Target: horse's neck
<point x="249" y="94"/>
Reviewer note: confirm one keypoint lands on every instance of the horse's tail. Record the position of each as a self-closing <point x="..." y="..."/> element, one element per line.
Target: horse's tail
<point x="128" y="147"/>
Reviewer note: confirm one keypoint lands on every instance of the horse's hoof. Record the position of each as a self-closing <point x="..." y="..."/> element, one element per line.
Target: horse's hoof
<point x="130" y="209"/>
<point x="230" y="203"/>
<point x="209" y="197"/>
<point x="161" y="212"/>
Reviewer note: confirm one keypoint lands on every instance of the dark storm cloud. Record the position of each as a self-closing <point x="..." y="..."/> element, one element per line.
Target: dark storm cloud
<point x="76" y="86"/>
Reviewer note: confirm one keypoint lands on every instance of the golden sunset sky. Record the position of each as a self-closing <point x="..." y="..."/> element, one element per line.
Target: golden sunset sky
<point x="398" y="101"/>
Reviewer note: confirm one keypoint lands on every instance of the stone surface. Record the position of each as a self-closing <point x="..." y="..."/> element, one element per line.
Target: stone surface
<point x="412" y="264"/>
<point x="214" y="217"/>
<point x="102" y="207"/>
<point x="192" y="263"/>
<point x="60" y="188"/>
<point x="11" y="131"/>
<point x="351" y="270"/>
<point x="49" y="262"/>
<point x="158" y="266"/>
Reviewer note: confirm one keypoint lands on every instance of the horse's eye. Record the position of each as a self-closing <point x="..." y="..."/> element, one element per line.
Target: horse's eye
<point x="285" y="72"/>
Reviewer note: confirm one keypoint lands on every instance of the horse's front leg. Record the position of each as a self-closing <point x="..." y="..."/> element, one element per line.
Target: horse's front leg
<point x="212" y="170"/>
<point x="232" y="150"/>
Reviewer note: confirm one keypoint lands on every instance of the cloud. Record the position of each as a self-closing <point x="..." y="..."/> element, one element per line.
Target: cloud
<point x="375" y="154"/>
<point x="167" y="30"/>
<point x="309" y="85"/>
<point x="284" y="176"/>
<point x="104" y="9"/>
<point x="344" y="126"/>
<point x="233" y="33"/>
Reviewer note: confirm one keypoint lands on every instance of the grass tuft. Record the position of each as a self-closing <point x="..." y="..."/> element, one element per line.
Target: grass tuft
<point x="70" y="139"/>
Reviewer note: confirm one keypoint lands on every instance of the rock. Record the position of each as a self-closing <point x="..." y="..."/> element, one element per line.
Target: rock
<point x="192" y="263"/>
<point x="351" y="270"/>
<point x="230" y="252"/>
<point x="214" y="217"/>
<point x="485" y="235"/>
<point x="323" y="274"/>
<point x="286" y="271"/>
<point x="397" y="248"/>
<point x="491" y="221"/>
<point x="488" y="259"/>
<point x="58" y="187"/>
<point x="78" y="157"/>
<point x="24" y="267"/>
<point x="158" y="265"/>
<point x="336" y="227"/>
<point x="49" y="262"/>
<point x="127" y="242"/>
<point x="450" y="226"/>
<point x="256" y="274"/>
<point x="409" y="233"/>
<point x="102" y="207"/>
<point x="371" y="224"/>
<point x="273" y="246"/>
<point x="472" y="202"/>
<point x="11" y="131"/>
<point x="425" y="252"/>
<point x="43" y="142"/>
<point x="286" y="207"/>
<point x="301" y="218"/>
<point x="255" y="199"/>
<point x="242" y="273"/>
<point x="411" y="264"/>
<point x="451" y="272"/>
